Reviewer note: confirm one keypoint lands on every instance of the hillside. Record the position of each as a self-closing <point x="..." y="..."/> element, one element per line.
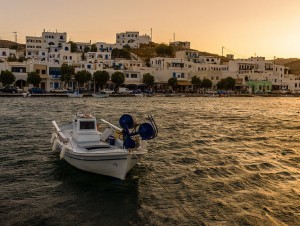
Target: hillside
<point x="294" y="66"/>
<point x="145" y="52"/>
<point x="11" y="45"/>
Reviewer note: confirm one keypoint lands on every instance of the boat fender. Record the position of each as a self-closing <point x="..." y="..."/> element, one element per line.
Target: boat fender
<point x="63" y="152"/>
<point x="53" y="137"/>
<point x="118" y="135"/>
<point x="54" y="146"/>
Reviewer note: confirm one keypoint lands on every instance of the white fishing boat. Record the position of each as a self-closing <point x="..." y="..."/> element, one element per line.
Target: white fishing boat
<point x="75" y="95"/>
<point x="100" y="95"/>
<point x="112" y="152"/>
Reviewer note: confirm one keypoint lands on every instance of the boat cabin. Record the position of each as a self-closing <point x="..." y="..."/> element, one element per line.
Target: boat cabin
<point x="85" y="128"/>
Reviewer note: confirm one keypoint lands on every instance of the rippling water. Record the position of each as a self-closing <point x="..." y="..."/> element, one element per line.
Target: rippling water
<point x="227" y="161"/>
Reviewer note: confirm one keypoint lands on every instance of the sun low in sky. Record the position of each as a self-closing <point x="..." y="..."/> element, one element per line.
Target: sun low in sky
<point x="268" y="28"/>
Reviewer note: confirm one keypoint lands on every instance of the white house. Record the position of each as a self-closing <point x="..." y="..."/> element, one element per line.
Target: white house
<point x="36" y="48"/>
<point x="105" y="47"/>
<point x="6" y="52"/>
<point x="186" y="45"/>
<point x="132" y="39"/>
<point x="81" y="46"/>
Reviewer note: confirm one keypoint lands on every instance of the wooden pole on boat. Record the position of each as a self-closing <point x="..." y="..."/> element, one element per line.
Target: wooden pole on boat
<point x="111" y="125"/>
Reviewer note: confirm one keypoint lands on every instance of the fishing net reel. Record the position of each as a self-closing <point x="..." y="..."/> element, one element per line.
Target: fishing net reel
<point x="131" y="130"/>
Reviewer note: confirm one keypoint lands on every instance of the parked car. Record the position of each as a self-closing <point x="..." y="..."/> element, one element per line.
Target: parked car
<point x="108" y="91"/>
<point x="123" y="90"/>
<point x="59" y="90"/>
<point x="9" y="89"/>
<point x="36" y="90"/>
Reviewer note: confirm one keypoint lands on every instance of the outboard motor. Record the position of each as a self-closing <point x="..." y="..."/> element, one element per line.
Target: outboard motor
<point x="146" y="131"/>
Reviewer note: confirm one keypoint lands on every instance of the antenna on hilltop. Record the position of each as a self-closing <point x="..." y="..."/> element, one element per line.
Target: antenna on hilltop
<point x="16" y="36"/>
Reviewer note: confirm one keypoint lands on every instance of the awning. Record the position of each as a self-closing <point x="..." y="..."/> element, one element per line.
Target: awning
<point x="184" y="83"/>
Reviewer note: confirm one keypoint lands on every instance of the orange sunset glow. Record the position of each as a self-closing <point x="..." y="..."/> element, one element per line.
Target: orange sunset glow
<point x="246" y="28"/>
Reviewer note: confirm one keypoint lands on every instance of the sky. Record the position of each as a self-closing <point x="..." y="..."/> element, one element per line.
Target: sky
<point x="268" y="28"/>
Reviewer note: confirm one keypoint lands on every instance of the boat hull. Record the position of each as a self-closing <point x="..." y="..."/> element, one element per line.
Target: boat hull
<point x="114" y="165"/>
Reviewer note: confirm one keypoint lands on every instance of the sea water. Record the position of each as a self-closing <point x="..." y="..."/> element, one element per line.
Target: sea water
<point x="216" y="161"/>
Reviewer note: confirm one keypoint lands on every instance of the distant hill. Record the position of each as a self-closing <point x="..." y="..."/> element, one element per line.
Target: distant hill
<point x="11" y="45"/>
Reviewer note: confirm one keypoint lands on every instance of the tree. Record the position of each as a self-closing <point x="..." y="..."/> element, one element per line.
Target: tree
<point x="93" y="48"/>
<point x="197" y="82"/>
<point x="33" y="78"/>
<point x="172" y="82"/>
<point x="66" y="72"/>
<point x="118" y="78"/>
<point x="164" y="50"/>
<point x="101" y="78"/>
<point x="82" y="77"/>
<point x="73" y="46"/>
<point x="120" y="53"/>
<point x="12" y="58"/>
<point x="206" y="83"/>
<point x="226" y="83"/>
<point x="148" y="79"/>
<point x="7" y="78"/>
<point x="86" y="49"/>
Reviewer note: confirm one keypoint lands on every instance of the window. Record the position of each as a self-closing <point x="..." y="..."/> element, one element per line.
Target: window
<point x="133" y="75"/>
<point x="87" y="125"/>
<point x="43" y="72"/>
<point x="18" y="69"/>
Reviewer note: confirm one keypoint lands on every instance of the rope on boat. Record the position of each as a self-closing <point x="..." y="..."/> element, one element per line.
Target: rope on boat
<point x="169" y="193"/>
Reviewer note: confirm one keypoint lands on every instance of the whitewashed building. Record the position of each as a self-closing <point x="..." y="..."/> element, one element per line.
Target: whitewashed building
<point x="185" y="44"/>
<point x="131" y="39"/>
<point x="81" y="46"/>
<point x="6" y="52"/>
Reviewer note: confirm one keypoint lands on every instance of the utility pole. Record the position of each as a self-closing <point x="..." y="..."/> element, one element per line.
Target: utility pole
<point x="222" y="50"/>
<point x="16" y="36"/>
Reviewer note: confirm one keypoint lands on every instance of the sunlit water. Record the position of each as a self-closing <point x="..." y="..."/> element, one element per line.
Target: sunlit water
<point x="226" y="161"/>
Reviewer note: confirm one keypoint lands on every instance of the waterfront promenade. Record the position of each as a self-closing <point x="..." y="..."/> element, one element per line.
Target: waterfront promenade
<point x="155" y="94"/>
